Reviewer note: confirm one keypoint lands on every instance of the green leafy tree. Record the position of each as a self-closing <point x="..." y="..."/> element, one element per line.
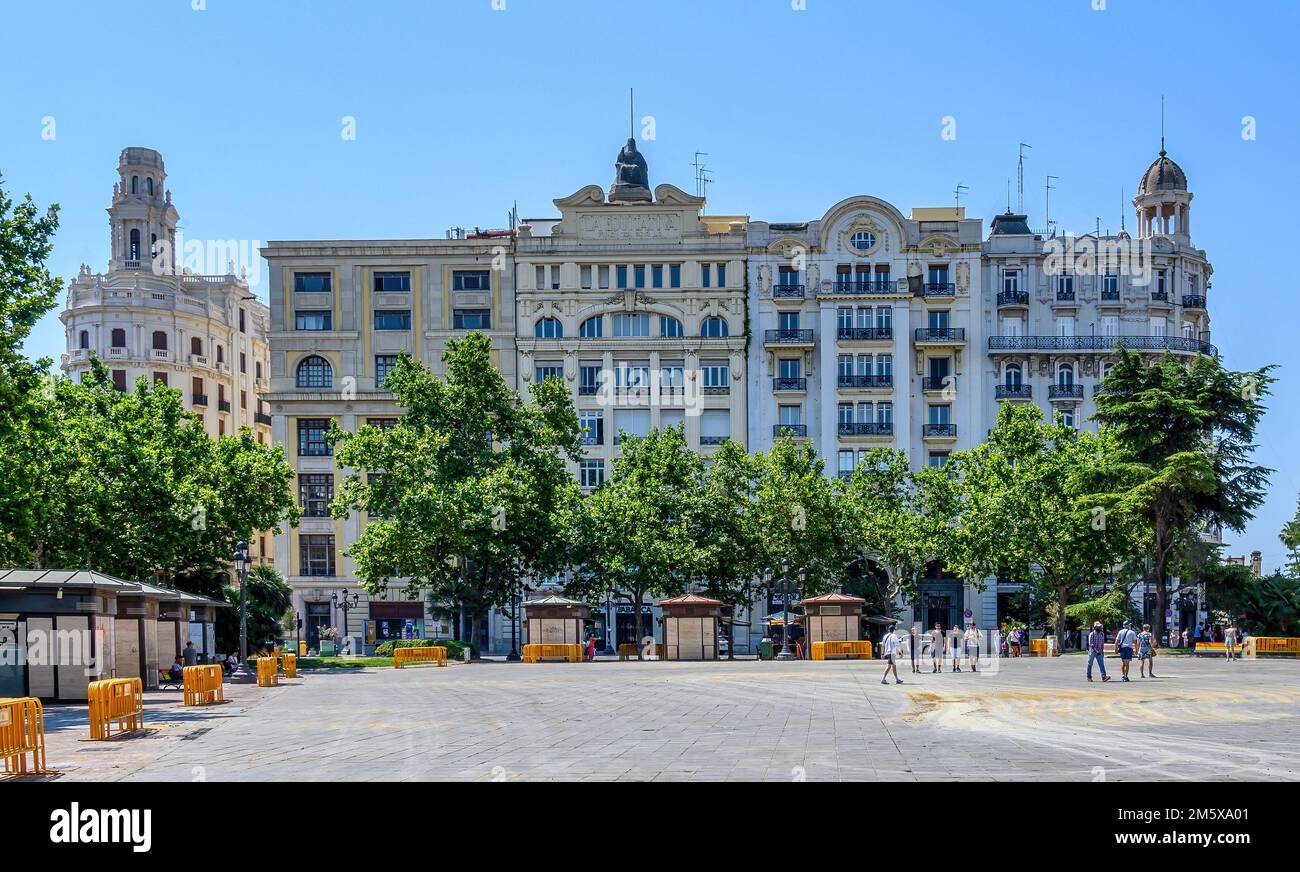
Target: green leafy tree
<point x="723" y="528"/>
<point x="269" y="598"/>
<point x="639" y="530"/>
<point x="795" y="520"/>
<point x="467" y="495"/>
<point x="1112" y="608"/>
<point x="1031" y="508"/>
<point x="1290" y="537"/>
<point x="1186" y="433"/>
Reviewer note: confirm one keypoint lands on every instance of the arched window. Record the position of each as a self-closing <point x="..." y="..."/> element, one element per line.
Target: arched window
<point x="1012" y="378"/>
<point x="669" y="327"/>
<point x="548" y="328"/>
<point x="1065" y="375"/>
<point x="148" y="186"/>
<point x="135" y="184"/>
<point x="83" y="341"/>
<point x="119" y="338"/>
<point x="135" y="246"/>
<point x="196" y="345"/>
<point x="159" y="340"/>
<point x="714" y="328"/>
<point x="315" y="372"/>
<point x="593" y="327"/>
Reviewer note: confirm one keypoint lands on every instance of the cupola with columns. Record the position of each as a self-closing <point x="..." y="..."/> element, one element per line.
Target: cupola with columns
<point x="1163" y="203"/>
<point x="142" y="213"/>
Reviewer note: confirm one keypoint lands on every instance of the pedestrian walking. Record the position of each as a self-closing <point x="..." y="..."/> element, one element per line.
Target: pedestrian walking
<point x="1125" y="641"/>
<point x="954" y="642"/>
<point x="973" y="641"/>
<point x="1230" y="641"/>
<point x="1146" y="652"/>
<point x="936" y="649"/>
<point x="1186" y="638"/>
<point x="913" y="644"/>
<point x="889" y="649"/>
<point x="1097" y="650"/>
<point x="191" y="654"/>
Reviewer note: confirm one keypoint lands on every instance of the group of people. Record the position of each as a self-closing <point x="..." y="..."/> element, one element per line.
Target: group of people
<point x="942" y="647"/>
<point x="1127" y="642"/>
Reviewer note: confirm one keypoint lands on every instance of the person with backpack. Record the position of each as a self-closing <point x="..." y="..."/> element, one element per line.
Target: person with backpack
<point x="1097" y="650"/>
<point x="889" y="650"/>
<point x="1125" y="641"/>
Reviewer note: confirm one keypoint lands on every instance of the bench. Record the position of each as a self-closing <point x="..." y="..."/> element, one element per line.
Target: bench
<point x="165" y="680"/>
<point x="844" y="648"/>
<point x="426" y="654"/>
<point x="1216" y="648"/>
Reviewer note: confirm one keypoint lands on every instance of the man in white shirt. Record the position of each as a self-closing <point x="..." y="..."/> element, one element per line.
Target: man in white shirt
<point x="1124" y="642"/>
<point x="973" y="646"/>
<point x="889" y="650"/>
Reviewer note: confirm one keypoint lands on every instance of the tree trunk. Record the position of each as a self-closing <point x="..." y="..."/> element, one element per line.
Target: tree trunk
<point x="1062" y="600"/>
<point x="1163" y="546"/>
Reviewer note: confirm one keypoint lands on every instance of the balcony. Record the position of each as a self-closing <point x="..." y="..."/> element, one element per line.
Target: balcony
<point x="932" y="384"/>
<point x="200" y="399"/>
<point x="796" y="431"/>
<point x="262" y="418"/>
<point x="939" y="431"/>
<point x="117" y="352"/>
<point x="866" y="382"/>
<point x="713" y="440"/>
<point x="1193" y="301"/>
<point x="161" y="354"/>
<point x="1013" y="298"/>
<point x="865" y="334"/>
<point x="1065" y="392"/>
<point x="788" y="292"/>
<point x="1065" y="295"/>
<point x="789" y="385"/>
<point x="1098" y="389"/>
<point x="939" y="289"/>
<point x="1101" y="343"/>
<point x="1110" y="295"/>
<point x="940" y="335"/>
<point x="1013" y="392"/>
<point x="223" y="405"/>
<point x="198" y="360"/>
<point x="864" y="429"/>
<point x="1160" y="297"/>
<point x="855" y="289"/>
<point x="588" y="390"/>
<point x="716" y="390"/>
<point x="789" y="337"/>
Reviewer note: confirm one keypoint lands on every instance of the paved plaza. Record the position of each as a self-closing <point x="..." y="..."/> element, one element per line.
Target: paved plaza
<point x="746" y="720"/>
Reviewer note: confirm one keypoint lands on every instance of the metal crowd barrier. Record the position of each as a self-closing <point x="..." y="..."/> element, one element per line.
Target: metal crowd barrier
<point x="537" y="653"/>
<point x="115" y="701"/>
<point x="202" y="685"/>
<point x="267" y="671"/>
<point x="844" y="648"/>
<point x="290" y="665"/>
<point x="434" y="653"/>
<point x="22" y="734"/>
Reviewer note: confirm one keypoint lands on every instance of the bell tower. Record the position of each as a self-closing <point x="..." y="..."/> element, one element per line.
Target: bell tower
<point x="142" y="214"/>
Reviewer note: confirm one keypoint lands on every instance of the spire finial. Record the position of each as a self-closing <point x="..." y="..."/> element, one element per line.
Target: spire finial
<point x="1121" y="210"/>
<point x="1162" y="125"/>
<point x="631" y="117"/>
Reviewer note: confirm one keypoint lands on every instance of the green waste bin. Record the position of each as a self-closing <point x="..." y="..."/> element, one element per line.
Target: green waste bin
<point x="765" y="649"/>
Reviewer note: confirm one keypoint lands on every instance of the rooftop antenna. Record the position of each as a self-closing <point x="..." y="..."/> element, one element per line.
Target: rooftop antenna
<point x="1047" y="211"/>
<point x="1162" y="125"/>
<point x="1008" y="195"/>
<point x="514" y="215"/>
<point x="1121" y="211"/>
<point x="631" y="114"/>
<point x="1020" y="180"/>
<point x="957" y="191"/>
<point x="700" y="169"/>
<point x="705" y="181"/>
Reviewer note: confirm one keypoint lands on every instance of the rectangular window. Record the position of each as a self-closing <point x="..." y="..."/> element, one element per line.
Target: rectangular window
<point x="675" y="275"/>
<point x="790" y="416"/>
<point x="865" y="410"/>
<point x="313" y="282"/>
<point x="311" y="437"/>
<point x="471" y="319"/>
<point x="847" y="464"/>
<point x="603" y="275"/>
<point x="589" y="378"/>
<point x="243" y="328"/>
<point x="392" y="282"/>
<point x="938" y="459"/>
<point x="1065" y="325"/>
<point x="844" y="318"/>
<point x="392" y="319"/>
<point x="243" y="362"/>
<point x="940" y="415"/>
<point x="471" y="280"/>
<point x="638" y="275"/>
<point x="384" y="364"/>
<point x="591" y="473"/>
<point x="884" y="318"/>
<point x="788" y="367"/>
<point x="315" y="491"/>
<point x="592" y="423"/>
<point x="584" y="277"/>
<point x="243" y="399"/>
<point x="717" y="375"/>
<point x="316" y="555"/>
<point x="845" y="413"/>
<point x="845" y="364"/>
<point x="543" y="371"/>
<point x="381" y="423"/>
<point x="788" y="321"/>
<point x="313" y="319"/>
<point x="705" y="275"/>
<point x="884" y="413"/>
<point x="672" y="376"/>
<point x="620" y="273"/>
<point x="657" y="276"/>
<point x="1011" y="281"/>
<point x="628" y="325"/>
<point x="159" y="378"/>
<point x="937" y="320"/>
<point x="722" y="275"/>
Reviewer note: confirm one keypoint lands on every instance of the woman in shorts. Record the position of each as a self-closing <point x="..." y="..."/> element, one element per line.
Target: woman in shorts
<point x="1146" y="652"/>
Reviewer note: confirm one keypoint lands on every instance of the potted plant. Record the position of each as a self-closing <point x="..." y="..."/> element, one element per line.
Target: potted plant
<point x="327" y="636"/>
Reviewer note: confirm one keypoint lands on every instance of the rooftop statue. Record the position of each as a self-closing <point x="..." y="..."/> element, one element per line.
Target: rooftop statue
<point x="631" y="176"/>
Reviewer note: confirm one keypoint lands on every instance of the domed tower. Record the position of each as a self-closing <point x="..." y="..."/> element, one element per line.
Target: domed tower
<point x="1163" y="203"/>
<point x="142" y="213"/>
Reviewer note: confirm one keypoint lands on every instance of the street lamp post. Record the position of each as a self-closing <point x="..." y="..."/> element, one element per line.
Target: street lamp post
<point x="342" y="603"/>
<point x="786" y="653"/>
<point x="242" y="561"/>
<point x="513" y="656"/>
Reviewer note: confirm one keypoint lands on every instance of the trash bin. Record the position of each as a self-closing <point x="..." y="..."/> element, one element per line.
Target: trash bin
<point x="302" y="649"/>
<point x="1053" y="649"/>
<point x="765" y="649"/>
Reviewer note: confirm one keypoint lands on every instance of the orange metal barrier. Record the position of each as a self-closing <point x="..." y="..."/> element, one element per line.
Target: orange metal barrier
<point x="1275" y="645"/>
<point x="22" y="733"/>
<point x="631" y="651"/>
<point x="202" y="685"/>
<point x="115" y="700"/>
<point x="538" y="653"/>
<point x="429" y="653"/>
<point x="290" y="665"/>
<point x="267" y="672"/>
<point x="1037" y="647"/>
<point x="843" y="648"/>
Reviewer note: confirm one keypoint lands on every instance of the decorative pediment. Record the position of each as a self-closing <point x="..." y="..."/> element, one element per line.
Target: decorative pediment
<point x="787" y="246"/>
<point x="588" y="196"/>
<point x="671" y="195"/>
<point x="938" y="246"/>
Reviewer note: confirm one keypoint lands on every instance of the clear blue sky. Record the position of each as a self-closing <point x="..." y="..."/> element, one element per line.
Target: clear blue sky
<point x="462" y="110"/>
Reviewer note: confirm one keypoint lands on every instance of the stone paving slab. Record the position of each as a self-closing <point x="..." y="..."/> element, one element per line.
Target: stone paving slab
<point x="1030" y="719"/>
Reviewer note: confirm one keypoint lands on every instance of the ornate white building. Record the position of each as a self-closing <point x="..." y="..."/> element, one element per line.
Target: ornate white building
<point x="205" y="335"/>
